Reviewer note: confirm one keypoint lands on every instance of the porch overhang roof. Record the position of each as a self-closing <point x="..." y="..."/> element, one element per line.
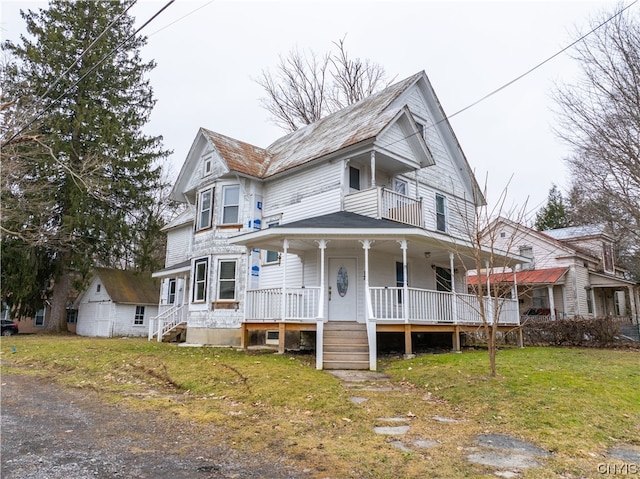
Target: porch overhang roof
<point x="601" y="280"/>
<point x="538" y="277"/>
<point x="183" y="267"/>
<point x="351" y="226"/>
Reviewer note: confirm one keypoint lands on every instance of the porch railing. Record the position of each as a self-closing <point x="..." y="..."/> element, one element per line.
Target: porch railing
<point x="166" y="321"/>
<point x="439" y="307"/>
<point x="266" y="304"/>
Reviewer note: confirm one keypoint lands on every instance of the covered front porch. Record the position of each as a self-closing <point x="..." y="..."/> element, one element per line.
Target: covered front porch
<point x="384" y="276"/>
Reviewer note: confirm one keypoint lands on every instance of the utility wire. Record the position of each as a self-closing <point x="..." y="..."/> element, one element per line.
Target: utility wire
<point x="91" y="70"/>
<point x="182" y="18"/>
<point x="497" y="90"/>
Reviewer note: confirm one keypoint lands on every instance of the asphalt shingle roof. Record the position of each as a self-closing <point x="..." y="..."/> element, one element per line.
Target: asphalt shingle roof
<point x="129" y="287"/>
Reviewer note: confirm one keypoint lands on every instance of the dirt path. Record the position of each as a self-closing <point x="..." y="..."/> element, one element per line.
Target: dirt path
<point x="50" y="432"/>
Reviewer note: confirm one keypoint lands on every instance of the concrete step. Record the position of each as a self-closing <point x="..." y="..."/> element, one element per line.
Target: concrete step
<point x="345" y="364"/>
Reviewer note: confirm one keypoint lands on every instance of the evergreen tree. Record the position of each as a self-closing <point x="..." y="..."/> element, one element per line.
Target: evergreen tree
<point x="80" y="168"/>
<point x="554" y="214"/>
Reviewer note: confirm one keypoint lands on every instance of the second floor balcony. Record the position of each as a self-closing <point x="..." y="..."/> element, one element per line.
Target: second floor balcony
<point x="381" y="203"/>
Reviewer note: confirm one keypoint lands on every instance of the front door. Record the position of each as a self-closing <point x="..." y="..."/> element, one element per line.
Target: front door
<point x="342" y="292"/>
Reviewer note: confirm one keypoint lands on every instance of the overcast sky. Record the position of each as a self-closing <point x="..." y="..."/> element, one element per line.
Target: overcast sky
<point x="208" y="60"/>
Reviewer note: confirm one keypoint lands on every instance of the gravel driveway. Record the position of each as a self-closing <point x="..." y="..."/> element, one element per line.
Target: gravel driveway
<point x="51" y="432"/>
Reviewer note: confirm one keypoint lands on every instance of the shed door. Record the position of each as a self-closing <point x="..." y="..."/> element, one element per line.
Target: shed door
<point x="342" y="293"/>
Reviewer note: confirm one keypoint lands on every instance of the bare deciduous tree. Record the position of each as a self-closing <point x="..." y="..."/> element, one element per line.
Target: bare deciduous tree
<point x="599" y="117"/>
<point x="306" y="87"/>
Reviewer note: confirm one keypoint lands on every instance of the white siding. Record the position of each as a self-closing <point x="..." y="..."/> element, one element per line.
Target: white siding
<point x="178" y="245"/>
<point x="308" y="193"/>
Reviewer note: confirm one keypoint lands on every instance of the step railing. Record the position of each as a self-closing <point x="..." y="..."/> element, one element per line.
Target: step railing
<point x="166" y="321"/>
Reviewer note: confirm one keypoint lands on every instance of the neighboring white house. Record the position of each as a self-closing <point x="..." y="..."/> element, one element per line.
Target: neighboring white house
<point x="117" y="303"/>
<point x="571" y="272"/>
<point x="349" y="228"/>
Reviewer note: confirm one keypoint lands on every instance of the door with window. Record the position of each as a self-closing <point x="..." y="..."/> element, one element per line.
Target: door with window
<point x="342" y="291"/>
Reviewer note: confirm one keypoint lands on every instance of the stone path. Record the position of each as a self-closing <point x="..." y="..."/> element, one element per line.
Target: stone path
<point x="507" y="454"/>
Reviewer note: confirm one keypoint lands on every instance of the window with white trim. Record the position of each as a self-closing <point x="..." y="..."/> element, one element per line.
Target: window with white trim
<point x="422" y="129"/>
<point x="227" y="280"/>
<point x="138" y="319"/>
<point x="230" y="204"/>
<point x="272" y="256"/>
<point x="207" y="165"/>
<point x="200" y="267"/>
<point x="401" y="186"/>
<point x="354" y="178"/>
<point x="441" y="213"/>
<point x="39" y="318"/>
<point x="205" y="209"/>
<point x="171" y="291"/>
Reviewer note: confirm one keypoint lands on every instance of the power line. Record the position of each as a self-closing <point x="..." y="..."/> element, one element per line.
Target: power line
<point x="91" y="70"/>
<point x="182" y="18"/>
<point x="509" y="83"/>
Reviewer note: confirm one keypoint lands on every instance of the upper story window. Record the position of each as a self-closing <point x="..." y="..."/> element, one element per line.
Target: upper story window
<point x="421" y="128"/>
<point x="401" y="186"/>
<point x="200" y="268"/>
<point x="607" y="256"/>
<point x="354" y="178"/>
<point x="527" y="252"/>
<point x="230" y="204"/>
<point x="227" y="280"/>
<point x="441" y="213"/>
<point x="205" y="209"/>
<point x="207" y="165"/>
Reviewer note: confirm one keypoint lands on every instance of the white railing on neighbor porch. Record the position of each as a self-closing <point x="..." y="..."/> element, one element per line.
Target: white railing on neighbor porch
<point x="438" y="307"/>
<point x="266" y="304"/>
<point x="166" y="321"/>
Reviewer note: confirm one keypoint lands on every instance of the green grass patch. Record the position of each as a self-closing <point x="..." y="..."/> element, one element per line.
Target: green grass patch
<point x="576" y="403"/>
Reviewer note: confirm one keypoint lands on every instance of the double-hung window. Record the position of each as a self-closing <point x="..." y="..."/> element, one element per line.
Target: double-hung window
<point x="354" y="178"/>
<point x="139" y="316"/>
<point x="272" y="256"/>
<point x="171" y="293"/>
<point x="230" y="204"/>
<point x="205" y="209"/>
<point x="227" y="280"/>
<point x="441" y="213"/>
<point x="200" y="280"/>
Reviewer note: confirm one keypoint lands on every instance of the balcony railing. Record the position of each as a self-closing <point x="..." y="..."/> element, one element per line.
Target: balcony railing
<point x="378" y="202"/>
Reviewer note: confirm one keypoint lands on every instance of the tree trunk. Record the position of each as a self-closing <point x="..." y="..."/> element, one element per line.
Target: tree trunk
<point x="58" y="317"/>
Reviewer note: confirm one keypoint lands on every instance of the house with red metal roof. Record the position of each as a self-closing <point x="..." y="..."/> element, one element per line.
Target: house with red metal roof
<point x="347" y="232"/>
<point x="571" y="272"/>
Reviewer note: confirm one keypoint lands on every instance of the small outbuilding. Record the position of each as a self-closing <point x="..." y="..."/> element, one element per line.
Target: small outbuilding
<point x="117" y="303"/>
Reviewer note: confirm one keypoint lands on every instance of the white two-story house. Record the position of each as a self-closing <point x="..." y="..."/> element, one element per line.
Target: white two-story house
<point x="342" y="231"/>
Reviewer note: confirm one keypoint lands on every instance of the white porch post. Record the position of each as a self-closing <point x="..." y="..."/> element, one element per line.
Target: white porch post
<point x="405" y="282"/>
<point x="454" y="303"/>
<point x="371" y="324"/>
<point x="247" y="282"/>
<point x="373" y="168"/>
<point x="552" y="302"/>
<point x="322" y="244"/>
<point x="285" y="250"/>
<point x="632" y="305"/>
<point x="489" y="314"/>
<point x="514" y="293"/>
<point x="592" y="292"/>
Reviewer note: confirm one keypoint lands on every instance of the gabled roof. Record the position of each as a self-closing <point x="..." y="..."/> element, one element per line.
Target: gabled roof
<point x="358" y="122"/>
<point x="355" y="124"/>
<point x="184" y="217"/>
<point x="239" y="156"/>
<point x="129" y="287"/>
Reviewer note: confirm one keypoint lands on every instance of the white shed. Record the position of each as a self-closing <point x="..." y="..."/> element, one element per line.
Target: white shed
<point x="117" y="303"/>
